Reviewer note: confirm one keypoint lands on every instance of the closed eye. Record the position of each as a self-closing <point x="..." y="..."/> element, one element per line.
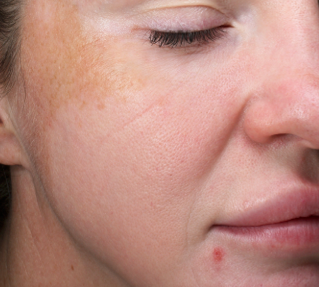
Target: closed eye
<point x="184" y="39"/>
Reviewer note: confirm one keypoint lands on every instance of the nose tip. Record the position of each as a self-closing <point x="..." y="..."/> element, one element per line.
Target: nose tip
<point x="285" y="107"/>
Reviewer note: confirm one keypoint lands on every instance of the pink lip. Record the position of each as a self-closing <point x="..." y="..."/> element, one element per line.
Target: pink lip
<point x="288" y="223"/>
<point x="288" y="206"/>
<point x="299" y="234"/>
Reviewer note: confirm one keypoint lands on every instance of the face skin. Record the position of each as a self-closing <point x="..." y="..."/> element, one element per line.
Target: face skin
<point x="135" y="160"/>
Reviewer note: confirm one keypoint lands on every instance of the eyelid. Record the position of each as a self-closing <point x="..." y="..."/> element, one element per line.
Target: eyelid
<point x="190" y="18"/>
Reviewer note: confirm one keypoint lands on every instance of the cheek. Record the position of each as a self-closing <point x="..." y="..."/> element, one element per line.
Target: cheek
<point x="130" y="173"/>
<point x="122" y="152"/>
<point x="91" y="136"/>
<point x="123" y="161"/>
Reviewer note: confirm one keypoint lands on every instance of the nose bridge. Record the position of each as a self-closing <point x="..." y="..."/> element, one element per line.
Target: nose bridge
<point x="292" y="41"/>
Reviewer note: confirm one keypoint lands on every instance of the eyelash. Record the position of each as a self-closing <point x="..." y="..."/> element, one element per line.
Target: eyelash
<point x="180" y="39"/>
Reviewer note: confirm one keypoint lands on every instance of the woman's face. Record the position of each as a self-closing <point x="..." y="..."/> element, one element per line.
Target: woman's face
<point x="177" y="159"/>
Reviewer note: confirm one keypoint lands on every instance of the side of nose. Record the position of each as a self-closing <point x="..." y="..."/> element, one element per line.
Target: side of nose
<point x="285" y="101"/>
<point x="285" y="107"/>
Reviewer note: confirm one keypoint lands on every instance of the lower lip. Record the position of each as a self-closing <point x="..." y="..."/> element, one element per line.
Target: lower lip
<point x="299" y="234"/>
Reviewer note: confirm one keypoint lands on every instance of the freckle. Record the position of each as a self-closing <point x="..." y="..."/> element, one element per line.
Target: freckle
<point x="218" y="254"/>
<point x="72" y="267"/>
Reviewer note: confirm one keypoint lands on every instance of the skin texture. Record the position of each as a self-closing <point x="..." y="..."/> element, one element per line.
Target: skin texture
<point x="126" y="155"/>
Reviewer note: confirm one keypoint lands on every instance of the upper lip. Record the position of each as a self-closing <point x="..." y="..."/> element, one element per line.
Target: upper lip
<point x="292" y="204"/>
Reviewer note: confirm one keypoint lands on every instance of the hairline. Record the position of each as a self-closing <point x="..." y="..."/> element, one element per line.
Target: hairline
<point x="10" y="22"/>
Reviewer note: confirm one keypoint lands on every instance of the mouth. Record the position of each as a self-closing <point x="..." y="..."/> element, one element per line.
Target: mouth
<point x="299" y="234"/>
<point x="287" y="223"/>
<point x="284" y="207"/>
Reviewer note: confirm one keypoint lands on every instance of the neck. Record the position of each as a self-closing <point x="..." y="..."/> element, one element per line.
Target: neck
<point x="34" y="242"/>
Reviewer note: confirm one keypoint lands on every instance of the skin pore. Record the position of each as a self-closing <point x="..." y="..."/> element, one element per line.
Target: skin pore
<point x="126" y="156"/>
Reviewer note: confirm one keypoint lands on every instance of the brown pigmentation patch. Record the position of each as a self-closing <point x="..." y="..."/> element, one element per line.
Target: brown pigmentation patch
<point x="65" y="62"/>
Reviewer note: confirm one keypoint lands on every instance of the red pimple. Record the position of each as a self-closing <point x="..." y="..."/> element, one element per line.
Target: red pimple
<point x="218" y="254"/>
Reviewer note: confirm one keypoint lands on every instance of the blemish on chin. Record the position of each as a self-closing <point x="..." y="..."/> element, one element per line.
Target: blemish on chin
<point x="218" y="255"/>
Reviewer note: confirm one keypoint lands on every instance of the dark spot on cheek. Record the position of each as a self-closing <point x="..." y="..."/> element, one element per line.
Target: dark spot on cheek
<point x="72" y="267"/>
<point x="218" y="255"/>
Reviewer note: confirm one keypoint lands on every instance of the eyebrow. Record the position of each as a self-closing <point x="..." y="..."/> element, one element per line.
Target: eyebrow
<point x="113" y="4"/>
<point x="132" y="3"/>
<point x="116" y="5"/>
<point x="124" y="3"/>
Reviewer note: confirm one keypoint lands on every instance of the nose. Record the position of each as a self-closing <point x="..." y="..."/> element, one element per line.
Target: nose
<point x="286" y="99"/>
<point x="286" y="107"/>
